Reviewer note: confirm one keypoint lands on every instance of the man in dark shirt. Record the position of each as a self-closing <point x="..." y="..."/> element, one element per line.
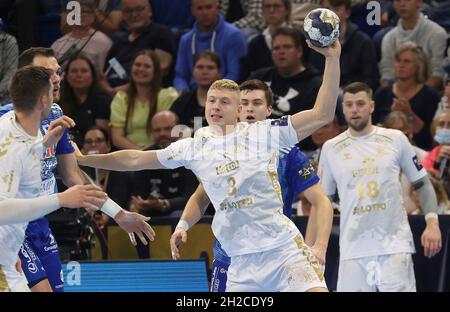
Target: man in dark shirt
<point x="294" y="86"/>
<point x="162" y="192"/>
<point x="142" y="34"/>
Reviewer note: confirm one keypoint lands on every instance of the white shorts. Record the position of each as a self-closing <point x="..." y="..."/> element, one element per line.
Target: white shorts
<point x="386" y="273"/>
<point x="290" y="267"/>
<point x="12" y="281"/>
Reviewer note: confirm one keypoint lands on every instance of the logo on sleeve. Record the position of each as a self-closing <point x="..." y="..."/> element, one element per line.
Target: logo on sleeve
<point x="283" y="121"/>
<point x="417" y="163"/>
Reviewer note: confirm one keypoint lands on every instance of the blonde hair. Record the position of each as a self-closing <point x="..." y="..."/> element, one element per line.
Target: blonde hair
<point x="225" y="84"/>
<point x="421" y="59"/>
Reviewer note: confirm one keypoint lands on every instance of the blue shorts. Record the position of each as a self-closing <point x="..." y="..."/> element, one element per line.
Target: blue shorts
<point x="40" y="257"/>
<point x="221" y="263"/>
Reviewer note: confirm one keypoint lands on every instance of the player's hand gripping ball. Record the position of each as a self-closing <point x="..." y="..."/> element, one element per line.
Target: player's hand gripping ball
<point x="321" y="27"/>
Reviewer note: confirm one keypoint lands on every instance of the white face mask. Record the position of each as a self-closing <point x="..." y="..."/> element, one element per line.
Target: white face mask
<point x="442" y="136"/>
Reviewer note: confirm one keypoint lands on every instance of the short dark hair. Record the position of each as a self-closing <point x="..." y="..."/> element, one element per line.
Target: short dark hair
<point x="298" y="38"/>
<point x="255" y="84"/>
<point x="103" y="131"/>
<point x="27" y="85"/>
<point x="26" y="57"/>
<point x="210" y="55"/>
<point x="356" y="87"/>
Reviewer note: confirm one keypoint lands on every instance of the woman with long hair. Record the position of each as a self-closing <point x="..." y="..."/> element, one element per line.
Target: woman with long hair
<point x="81" y="99"/>
<point x="133" y="108"/>
<point x="409" y="93"/>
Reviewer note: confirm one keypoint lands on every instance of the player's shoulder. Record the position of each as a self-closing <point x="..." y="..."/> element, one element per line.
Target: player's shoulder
<point x="12" y="141"/>
<point x="388" y="135"/>
<point x="6" y="108"/>
<point x="55" y="112"/>
<point x="336" y="141"/>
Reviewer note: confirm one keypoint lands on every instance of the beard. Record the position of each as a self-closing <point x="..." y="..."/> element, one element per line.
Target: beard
<point x="359" y="126"/>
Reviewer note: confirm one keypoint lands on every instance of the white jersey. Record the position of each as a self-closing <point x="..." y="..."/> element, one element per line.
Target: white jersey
<point x="20" y="177"/>
<point x="239" y="174"/>
<point x="366" y="171"/>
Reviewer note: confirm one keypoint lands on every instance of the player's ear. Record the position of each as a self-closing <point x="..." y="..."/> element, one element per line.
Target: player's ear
<point x="372" y="106"/>
<point x="269" y="111"/>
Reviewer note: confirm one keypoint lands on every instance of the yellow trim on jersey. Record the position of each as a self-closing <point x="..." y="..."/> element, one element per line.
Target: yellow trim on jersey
<point x="3" y="282"/>
<point x="309" y="256"/>
<point x="341" y="141"/>
<point x="384" y="136"/>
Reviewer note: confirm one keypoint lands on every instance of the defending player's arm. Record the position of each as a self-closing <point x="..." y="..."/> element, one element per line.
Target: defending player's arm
<point x="321" y="221"/>
<point x="306" y="122"/>
<point x="194" y="210"/>
<point x="431" y="238"/>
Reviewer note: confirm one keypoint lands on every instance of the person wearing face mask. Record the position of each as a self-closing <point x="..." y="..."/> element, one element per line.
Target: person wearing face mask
<point x="437" y="160"/>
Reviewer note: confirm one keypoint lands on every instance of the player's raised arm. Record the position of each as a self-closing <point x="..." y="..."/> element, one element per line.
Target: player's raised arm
<point x="306" y="122"/>
<point x="125" y="160"/>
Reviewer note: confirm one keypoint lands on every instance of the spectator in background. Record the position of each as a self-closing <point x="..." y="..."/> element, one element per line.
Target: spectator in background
<point x="414" y="26"/>
<point x="191" y="104"/>
<point x="210" y="32"/>
<point x="175" y="14"/>
<point x="96" y="141"/>
<point x="81" y="98"/>
<point x="409" y="93"/>
<point x="84" y="38"/>
<point x="142" y="34"/>
<point x="358" y="57"/>
<point x="294" y="86"/>
<point x="133" y="108"/>
<point x="444" y="103"/>
<point x="251" y="23"/>
<point x="161" y="192"/>
<point x="320" y="136"/>
<point x="9" y="54"/>
<point x="437" y="160"/>
<point x="276" y="13"/>
<point x="301" y="8"/>
<point x="108" y="16"/>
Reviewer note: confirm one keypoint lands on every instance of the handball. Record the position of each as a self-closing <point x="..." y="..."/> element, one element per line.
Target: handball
<point x="321" y="27"/>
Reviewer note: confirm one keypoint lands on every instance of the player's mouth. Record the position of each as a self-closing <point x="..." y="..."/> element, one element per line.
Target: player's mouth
<point x="250" y="119"/>
<point x="216" y="118"/>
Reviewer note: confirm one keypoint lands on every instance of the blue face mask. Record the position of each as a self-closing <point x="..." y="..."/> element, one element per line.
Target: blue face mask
<point x="442" y="136"/>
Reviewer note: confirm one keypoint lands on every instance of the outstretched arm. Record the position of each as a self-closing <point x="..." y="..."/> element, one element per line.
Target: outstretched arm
<point x="431" y="237"/>
<point x="195" y="209"/>
<point x="306" y="122"/>
<point x="125" y="160"/>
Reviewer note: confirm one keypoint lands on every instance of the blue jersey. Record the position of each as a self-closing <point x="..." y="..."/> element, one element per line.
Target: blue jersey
<point x="39" y="253"/>
<point x="295" y="174"/>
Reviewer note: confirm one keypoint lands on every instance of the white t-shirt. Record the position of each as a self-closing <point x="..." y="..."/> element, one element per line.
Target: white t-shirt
<point x="20" y="177"/>
<point x="366" y="172"/>
<point x="239" y="174"/>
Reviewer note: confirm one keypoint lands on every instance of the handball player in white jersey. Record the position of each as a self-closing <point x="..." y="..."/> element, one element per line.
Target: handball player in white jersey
<point x="21" y="146"/>
<point x="236" y="163"/>
<point x="364" y="164"/>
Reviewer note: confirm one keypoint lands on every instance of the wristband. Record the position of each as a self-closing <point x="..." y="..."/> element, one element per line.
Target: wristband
<point x="111" y="208"/>
<point x="431" y="215"/>
<point x="183" y="224"/>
